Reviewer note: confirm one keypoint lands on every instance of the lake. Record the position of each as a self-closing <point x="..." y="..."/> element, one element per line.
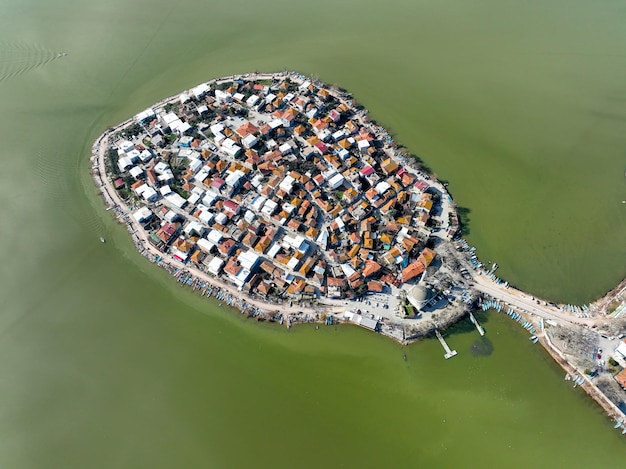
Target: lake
<point x="109" y="363"/>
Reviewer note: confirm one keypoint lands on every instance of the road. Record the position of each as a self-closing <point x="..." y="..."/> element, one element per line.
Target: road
<point x="522" y="301"/>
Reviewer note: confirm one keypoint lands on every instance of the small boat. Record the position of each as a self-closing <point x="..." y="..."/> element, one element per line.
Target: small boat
<point x="618" y="424"/>
<point x="624" y="431"/>
<point x="102" y="240"/>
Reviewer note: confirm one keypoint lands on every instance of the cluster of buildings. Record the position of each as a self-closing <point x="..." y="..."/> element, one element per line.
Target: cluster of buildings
<point x="275" y="186"/>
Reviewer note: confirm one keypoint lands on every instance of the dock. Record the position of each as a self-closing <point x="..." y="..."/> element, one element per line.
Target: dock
<point x="449" y="353"/>
<point x="479" y="328"/>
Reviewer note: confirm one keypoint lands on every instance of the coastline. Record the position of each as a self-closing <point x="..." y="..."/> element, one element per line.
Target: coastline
<point x="290" y="314"/>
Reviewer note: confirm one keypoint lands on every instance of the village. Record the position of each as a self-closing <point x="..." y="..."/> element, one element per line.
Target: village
<point x="284" y="189"/>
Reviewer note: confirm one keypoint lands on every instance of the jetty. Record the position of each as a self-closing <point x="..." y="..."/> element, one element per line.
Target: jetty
<point x="449" y="353"/>
<point x="479" y="328"/>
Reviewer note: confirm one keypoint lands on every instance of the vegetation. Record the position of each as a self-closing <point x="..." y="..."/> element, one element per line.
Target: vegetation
<point x="132" y="130"/>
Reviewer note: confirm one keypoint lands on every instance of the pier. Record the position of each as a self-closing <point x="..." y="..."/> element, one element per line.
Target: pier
<point x="449" y="353"/>
<point x="479" y="328"/>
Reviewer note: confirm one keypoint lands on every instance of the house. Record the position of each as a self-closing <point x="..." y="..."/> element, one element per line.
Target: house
<point x="412" y="270"/>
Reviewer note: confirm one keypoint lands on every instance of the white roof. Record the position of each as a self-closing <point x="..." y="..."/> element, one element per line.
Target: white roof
<point x="222" y="95"/>
<point x="221" y="218"/>
<point x="160" y="167"/>
<point x="252" y="100"/>
<point x="199" y="90"/>
<point x="215" y="265"/>
<point x="217" y="128"/>
<point x="142" y="214"/>
<point x="205" y="245"/>
<point x="149" y="193"/>
<point x="363" y="144"/>
<point x="133" y="154"/>
<point x="169" y="117"/>
<point x="125" y="145"/>
<point x="205" y="216"/>
<point x="184" y="97"/>
<point x="269" y="207"/>
<point x="287" y="183"/>
<point x="274" y="124"/>
<point x="136" y="171"/>
<point x="145" y="155"/>
<point x="382" y="187"/>
<point x="209" y="199"/>
<point x="249" y="216"/>
<point x="248" y="259"/>
<point x="124" y="163"/>
<point x="171" y="215"/>
<point x="258" y="202"/>
<point x="273" y="250"/>
<point x="233" y="178"/>
<point x="144" y="114"/>
<point x="176" y="199"/>
<point x="284" y="148"/>
<point x="347" y="269"/>
<point x="194" y="198"/>
<point x="183" y="127"/>
<point x="193" y="226"/>
<point x="249" y="141"/>
<point x="621" y="349"/>
<point x="270" y="97"/>
<point x="164" y="190"/>
<point x="215" y="236"/>
<point x="238" y="96"/>
<point x="336" y="180"/>
<point x="195" y="165"/>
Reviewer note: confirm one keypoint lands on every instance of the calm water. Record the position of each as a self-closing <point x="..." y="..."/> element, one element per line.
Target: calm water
<point x="107" y="363"/>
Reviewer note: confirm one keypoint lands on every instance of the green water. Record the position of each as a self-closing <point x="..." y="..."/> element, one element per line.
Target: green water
<point x="107" y="363"/>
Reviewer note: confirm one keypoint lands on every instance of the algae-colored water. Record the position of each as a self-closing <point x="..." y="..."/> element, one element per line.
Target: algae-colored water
<point x="108" y="363"/>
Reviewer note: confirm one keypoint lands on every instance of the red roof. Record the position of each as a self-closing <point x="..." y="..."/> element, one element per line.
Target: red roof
<point x="367" y="170"/>
<point x="231" y="206"/>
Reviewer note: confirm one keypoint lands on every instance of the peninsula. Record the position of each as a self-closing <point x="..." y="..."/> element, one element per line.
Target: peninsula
<point x="276" y="194"/>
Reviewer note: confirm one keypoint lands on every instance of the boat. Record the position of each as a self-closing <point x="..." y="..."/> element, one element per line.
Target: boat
<point x="624" y="431"/>
<point x="534" y="339"/>
<point x="102" y="240"/>
<point x="618" y="424"/>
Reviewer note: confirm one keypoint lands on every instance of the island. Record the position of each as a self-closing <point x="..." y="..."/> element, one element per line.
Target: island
<point x="277" y="195"/>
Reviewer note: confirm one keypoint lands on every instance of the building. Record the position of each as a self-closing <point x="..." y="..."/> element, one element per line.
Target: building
<point x="419" y="296"/>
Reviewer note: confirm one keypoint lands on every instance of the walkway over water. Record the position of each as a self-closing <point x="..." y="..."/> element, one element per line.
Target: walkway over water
<point x="479" y="328"/>
<point x="449" y="353"/>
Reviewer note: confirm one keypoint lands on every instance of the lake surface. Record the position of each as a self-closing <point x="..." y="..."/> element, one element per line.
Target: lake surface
<point x="108" y="363"/>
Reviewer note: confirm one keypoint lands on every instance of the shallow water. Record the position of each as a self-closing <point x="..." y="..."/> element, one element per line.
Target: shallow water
<point x="108" y="363"/>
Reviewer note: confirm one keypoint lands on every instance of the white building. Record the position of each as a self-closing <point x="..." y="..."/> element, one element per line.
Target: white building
<point x="215" y="266"/>
<point x="142" y="215"/>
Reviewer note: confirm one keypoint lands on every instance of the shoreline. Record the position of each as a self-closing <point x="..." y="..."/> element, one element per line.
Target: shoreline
<point x="282" y="312"/>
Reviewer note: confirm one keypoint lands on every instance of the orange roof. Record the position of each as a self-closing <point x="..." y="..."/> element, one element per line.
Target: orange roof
<point x="412" y="271"/>
<point x="426" y="257"/>
<point x="371" y="267"/>
<point x="375" y="286"/>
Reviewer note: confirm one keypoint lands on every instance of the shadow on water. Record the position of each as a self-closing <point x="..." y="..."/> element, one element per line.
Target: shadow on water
<point x="482" y="347"/>
<point x="464" y="220"/>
